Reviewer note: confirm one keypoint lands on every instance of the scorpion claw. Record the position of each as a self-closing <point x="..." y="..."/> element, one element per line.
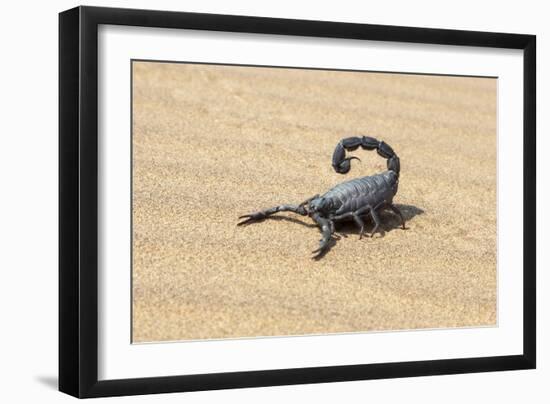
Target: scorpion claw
<point x="326" y="230"/>
<point x="247" y="221"/>
<point x="319" y="251"/>
<point x="323" y="245"/>
<point x="251" y="218"/>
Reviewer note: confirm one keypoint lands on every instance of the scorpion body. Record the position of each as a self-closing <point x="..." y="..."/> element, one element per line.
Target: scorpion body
<point x="350" y="200"/>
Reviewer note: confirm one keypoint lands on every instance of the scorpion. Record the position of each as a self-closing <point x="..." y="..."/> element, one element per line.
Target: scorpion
<point x="350" y="200"/>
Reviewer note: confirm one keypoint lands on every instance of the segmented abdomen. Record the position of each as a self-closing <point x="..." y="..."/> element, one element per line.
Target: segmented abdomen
<point x="372" y="190"/>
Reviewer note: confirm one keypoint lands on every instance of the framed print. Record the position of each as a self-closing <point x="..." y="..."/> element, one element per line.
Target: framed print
<point x="250" y="201"/>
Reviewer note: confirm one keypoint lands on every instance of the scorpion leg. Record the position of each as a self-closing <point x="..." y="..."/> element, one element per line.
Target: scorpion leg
<point x="395" y="210"/>
<point x="299" y="209"/>
<point x="376" y="219"/>
<point x="326" y="229"/>
<point x="343" y="216"/>
<point x="339" y="217"/>
<point x="357" y="217"/>
<point x="361" y="225"/>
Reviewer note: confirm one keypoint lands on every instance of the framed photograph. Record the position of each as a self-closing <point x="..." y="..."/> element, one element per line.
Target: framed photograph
<point x="250" y="201"/>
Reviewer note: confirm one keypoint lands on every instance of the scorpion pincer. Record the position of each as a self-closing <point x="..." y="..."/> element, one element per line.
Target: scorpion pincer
<point x="354" y="200"/>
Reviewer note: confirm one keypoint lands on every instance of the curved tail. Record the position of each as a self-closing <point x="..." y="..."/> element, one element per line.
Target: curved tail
<point x="342" y="164"/>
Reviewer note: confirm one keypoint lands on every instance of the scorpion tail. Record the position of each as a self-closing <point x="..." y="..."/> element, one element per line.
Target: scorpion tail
<point x="342" y="164"/>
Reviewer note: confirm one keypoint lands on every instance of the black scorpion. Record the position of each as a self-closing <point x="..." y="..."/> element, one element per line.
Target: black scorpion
<point x="349" y="200"/>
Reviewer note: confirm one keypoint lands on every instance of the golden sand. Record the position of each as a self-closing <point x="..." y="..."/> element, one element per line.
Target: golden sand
<point x="211" y="143"/>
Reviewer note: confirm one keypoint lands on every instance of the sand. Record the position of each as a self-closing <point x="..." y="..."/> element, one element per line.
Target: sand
<point x="211" y="143"/>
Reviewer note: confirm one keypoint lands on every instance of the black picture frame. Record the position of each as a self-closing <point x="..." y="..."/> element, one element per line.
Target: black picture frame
<point x="78" y="201"/>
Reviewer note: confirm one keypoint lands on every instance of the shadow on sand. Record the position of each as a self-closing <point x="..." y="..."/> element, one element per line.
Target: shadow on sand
<point x="389" y="221"/>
